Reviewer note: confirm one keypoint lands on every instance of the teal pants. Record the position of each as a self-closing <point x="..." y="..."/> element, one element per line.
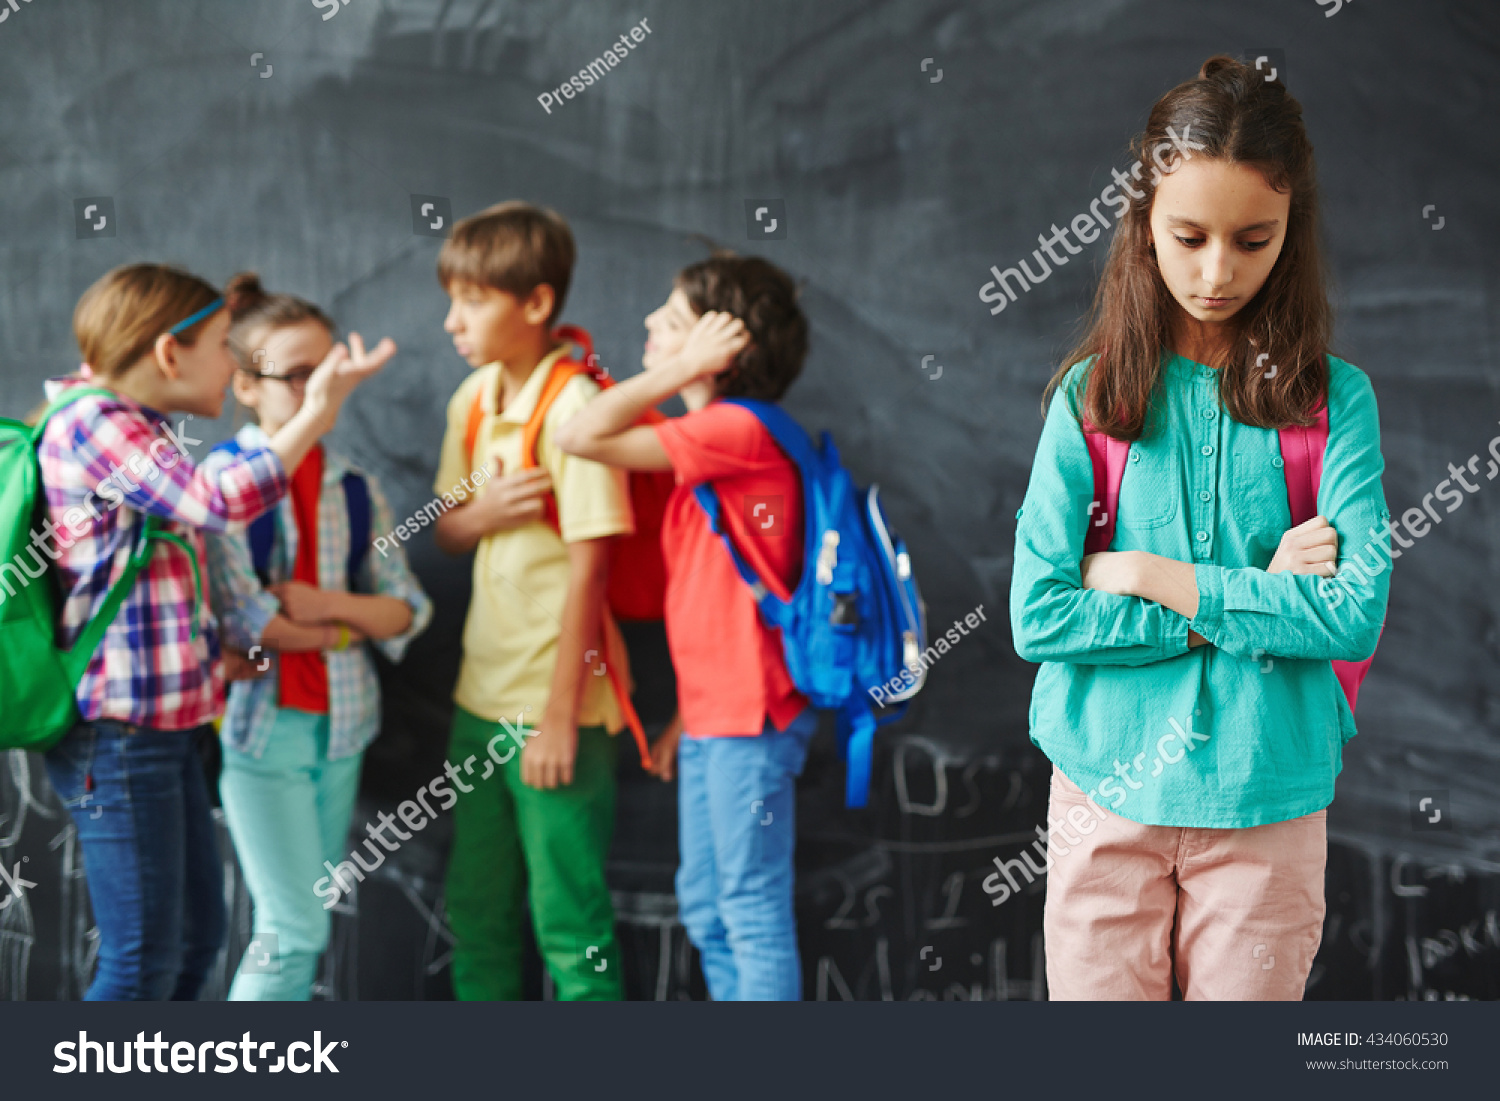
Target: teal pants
<point x="511" y="841"/>
<point x="288" y="811"/>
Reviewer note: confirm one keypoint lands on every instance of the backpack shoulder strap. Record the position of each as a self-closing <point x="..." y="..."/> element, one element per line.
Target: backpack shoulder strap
<point x="1302" y="449"/>
<point x="475" y="419"/>
<point x="262" y="530"/>
<point x="790" y="436"/>
<point x="1108" y="456"/>
<point x="77" y="659"/>
<point x="562" y="372"/>
<point x="65" y="399"/>
<point x="357" y="500"/>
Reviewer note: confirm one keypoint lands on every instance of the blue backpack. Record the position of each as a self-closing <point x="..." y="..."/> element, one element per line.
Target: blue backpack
<point x="856" y="619"/>
<point x="263" y="527"/>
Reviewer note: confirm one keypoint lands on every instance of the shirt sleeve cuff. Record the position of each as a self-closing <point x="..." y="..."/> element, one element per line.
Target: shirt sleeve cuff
<point x="1174" y="632"/>
<point x="267" y="475"/>
<point x="1209" y="622"/>
<point x="247" y="624"/>
<point x="394" y="648"/>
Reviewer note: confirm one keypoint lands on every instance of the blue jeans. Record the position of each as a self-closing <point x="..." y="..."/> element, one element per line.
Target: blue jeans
<point x="288" y="811"/>
<point x="139" y="801"/>
<point x="737" y="826"/>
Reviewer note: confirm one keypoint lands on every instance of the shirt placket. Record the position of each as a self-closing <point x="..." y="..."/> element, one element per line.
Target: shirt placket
<point x="1206" y="433"/>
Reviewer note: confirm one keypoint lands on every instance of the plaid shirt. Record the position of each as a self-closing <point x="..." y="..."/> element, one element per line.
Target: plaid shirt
<point x="106" y="463"/>
<point x="244" y="608"/>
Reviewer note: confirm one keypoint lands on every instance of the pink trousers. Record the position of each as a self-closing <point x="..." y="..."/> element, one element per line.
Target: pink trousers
<point x="1237" y="914"/>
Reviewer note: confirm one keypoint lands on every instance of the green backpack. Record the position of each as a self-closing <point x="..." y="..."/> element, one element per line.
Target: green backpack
<point x="38" y="680"/>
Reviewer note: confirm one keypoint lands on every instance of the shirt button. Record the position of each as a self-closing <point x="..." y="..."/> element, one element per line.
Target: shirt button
<point x="1135" y="456"/>
<point x="1278" y="461"/>
<point x="1204" y="495"/>
<point x="1210" y="413"/>
<point x="1203" y="537"/>
<point x="1207" y="449"/>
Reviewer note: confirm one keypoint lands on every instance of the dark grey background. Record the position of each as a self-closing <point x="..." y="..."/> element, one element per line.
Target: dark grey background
<point x="899" y="193"/>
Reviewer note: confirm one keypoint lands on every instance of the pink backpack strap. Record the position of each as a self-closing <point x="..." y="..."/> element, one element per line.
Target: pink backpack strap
<point x="1302" y="454"/>
<point x="1108" y="456"/>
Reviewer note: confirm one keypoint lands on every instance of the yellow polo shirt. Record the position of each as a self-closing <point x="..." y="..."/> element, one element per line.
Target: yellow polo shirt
<point x="521" y="576"/>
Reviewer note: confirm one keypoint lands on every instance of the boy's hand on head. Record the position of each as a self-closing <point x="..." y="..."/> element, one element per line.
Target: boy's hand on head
<point x="342" y="369"/>
<point x="511" y="501"/>
<point x="547" y="757"/>
<point x="715" y="339"/>
<point x="1311" y="547"/>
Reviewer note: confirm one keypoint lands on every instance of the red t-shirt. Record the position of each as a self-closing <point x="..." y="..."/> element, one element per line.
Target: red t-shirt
<point x="731" y="673"/>
<point x="304" y="675"/>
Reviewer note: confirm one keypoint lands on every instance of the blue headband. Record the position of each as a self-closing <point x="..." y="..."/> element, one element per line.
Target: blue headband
<point x="197" y="317"/>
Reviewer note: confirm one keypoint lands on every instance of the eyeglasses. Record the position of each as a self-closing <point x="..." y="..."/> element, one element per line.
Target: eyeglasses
<point x="297" y="380"/>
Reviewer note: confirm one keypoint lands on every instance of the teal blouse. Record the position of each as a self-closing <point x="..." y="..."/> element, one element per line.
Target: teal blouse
<point x="1250" y="728"/>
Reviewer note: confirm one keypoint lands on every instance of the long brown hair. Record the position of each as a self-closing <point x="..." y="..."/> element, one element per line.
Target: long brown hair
<point x="1237" y="116"/>
<point x="118" y="319"/>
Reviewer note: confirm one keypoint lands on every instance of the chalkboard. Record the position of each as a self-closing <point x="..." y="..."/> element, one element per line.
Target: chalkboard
<point x="903" y="149"/>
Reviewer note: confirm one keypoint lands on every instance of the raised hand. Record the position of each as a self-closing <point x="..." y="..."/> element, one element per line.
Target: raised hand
<point x="344" y="368"/>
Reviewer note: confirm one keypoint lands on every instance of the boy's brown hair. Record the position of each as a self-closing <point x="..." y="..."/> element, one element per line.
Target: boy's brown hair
<point x="513" y="247"/>
<point x="764" y="298"/>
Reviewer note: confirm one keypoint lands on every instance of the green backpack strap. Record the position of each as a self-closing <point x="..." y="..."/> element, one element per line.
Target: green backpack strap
<point x="68" y="397"/>
<point x="76" y="660"/>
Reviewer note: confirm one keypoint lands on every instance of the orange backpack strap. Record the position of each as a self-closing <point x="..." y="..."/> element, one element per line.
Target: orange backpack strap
<point x="563" y="372"/>
<point x="471" y="429"/>
<point x="627" y="709"/>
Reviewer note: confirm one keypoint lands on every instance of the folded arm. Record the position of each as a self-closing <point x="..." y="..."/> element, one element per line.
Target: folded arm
<point x="1055" y="616"/>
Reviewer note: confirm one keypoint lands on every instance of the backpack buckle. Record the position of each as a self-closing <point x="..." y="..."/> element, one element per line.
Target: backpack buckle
<point x="845" y="610"/>
<point x="828" y="557"/>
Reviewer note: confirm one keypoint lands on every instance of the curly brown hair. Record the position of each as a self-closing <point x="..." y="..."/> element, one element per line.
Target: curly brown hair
<point x="764" y="298"/>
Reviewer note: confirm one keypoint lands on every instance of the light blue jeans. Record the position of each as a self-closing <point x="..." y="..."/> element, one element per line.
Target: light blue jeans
<point x="288" y="811"/>
<point x="737" y="824"/>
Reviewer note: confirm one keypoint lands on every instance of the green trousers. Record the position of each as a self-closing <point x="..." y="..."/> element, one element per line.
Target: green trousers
<point x="508" y="838"/>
